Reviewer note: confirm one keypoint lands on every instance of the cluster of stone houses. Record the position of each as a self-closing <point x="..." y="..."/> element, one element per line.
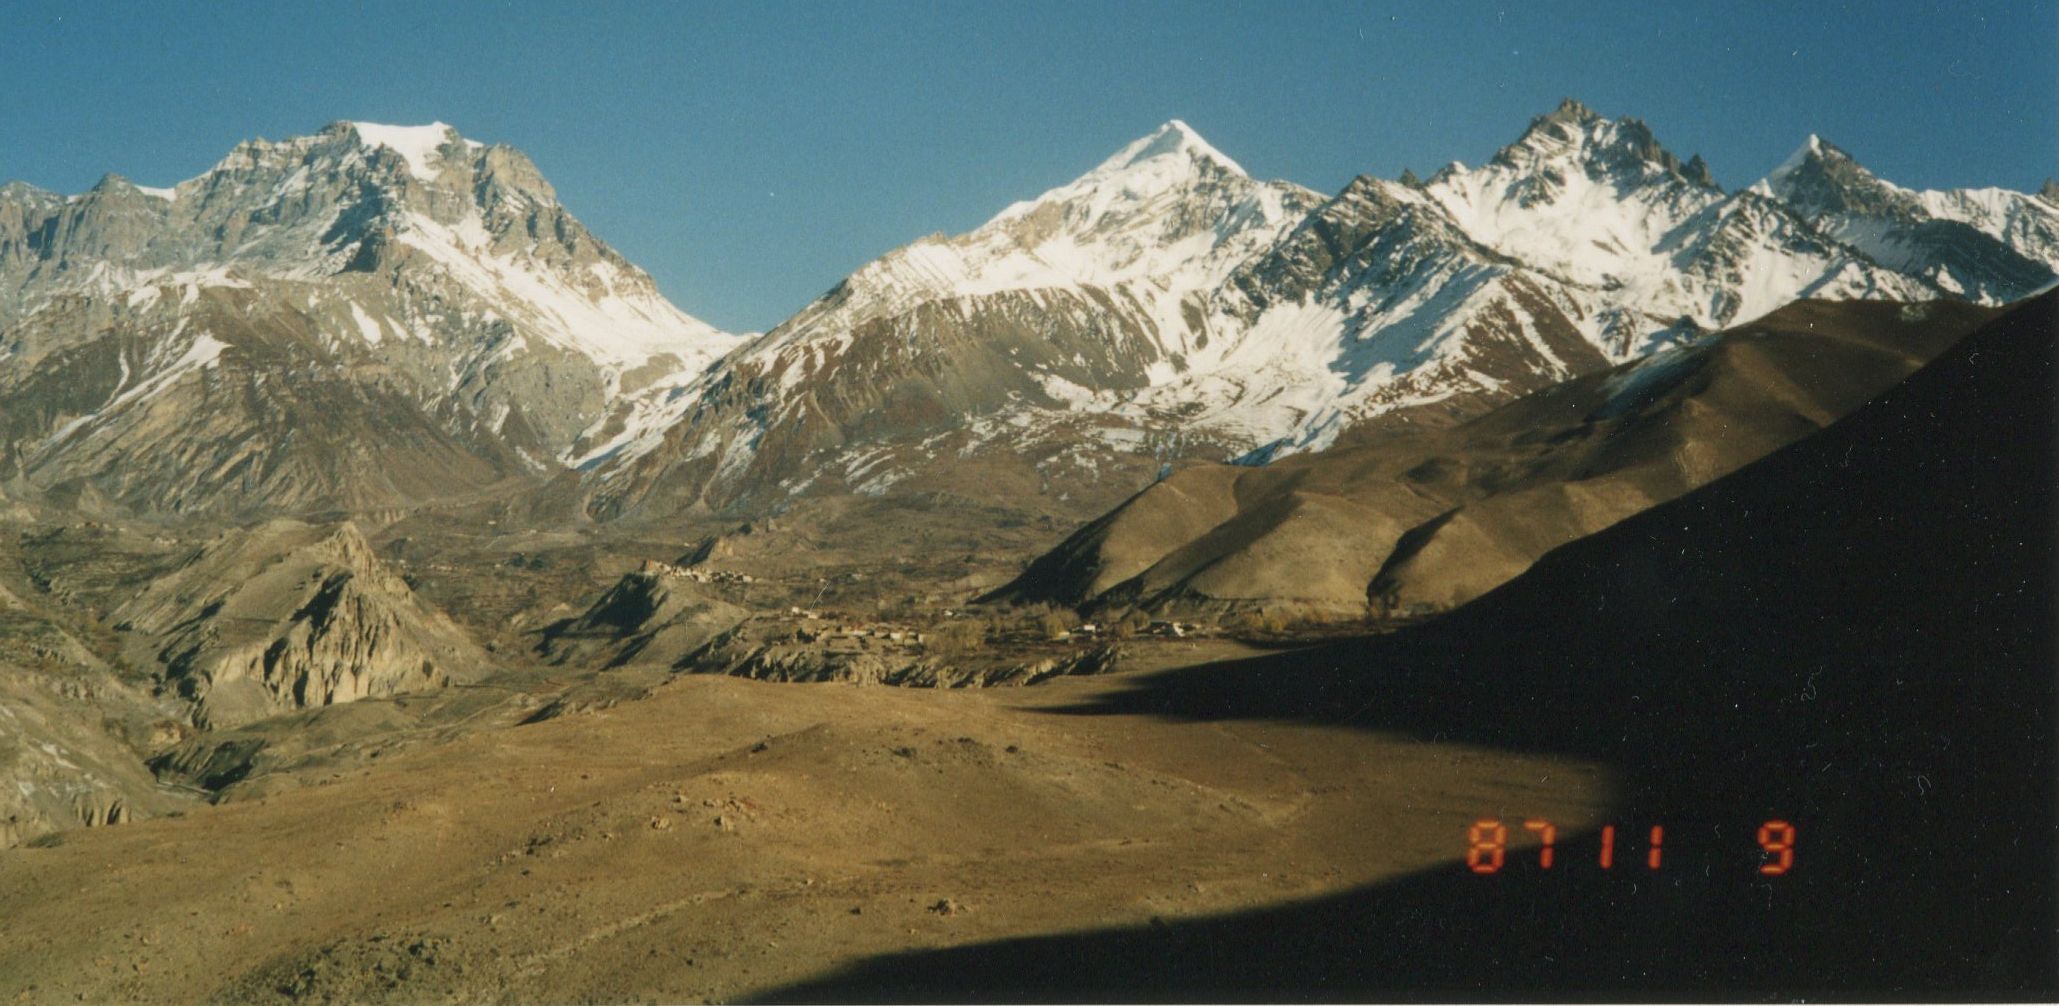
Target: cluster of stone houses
<point x="695" y="573"/>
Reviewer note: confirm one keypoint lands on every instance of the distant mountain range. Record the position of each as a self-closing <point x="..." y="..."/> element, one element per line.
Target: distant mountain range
<point x="370" y="414"/>
<point x="379" y="316"/>
<point x="1418" y="521"/>
<point x="367" y="316"/>
<point x="1166" y="302"/>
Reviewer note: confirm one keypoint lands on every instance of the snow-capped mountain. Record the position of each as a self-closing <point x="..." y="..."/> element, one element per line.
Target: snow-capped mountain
<point x="432" y="282"/>
<point x="1582" y="244"/>
<point x="1599" y="205"/>
<point x="1166" y="305"/>
<point x="1094" y="289"/>
<point x="1990" y="244"/>
<point x="375" y="315"/>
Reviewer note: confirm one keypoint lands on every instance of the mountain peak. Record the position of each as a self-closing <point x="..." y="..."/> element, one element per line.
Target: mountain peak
<point x="1574" y="134"/>
<point x="1567" y="123"/>
<point x="420" y="146"/>
<point x="1697" y="171"/>
<point x="1814" y="149"/>
<point x="1570" y="111"/>
<point x="1174" y="140"/>
<point x="1172" y="159"/>
<point x="1820" y="178"/>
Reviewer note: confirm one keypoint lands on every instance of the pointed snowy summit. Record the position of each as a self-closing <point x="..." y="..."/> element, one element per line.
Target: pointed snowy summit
<point x="1170" y="161"/>
<point x="1810" y="149"/>
<point x="1819" y="178"/>
<point x="1815" y="155"/>
<point x="1174" y="139"/>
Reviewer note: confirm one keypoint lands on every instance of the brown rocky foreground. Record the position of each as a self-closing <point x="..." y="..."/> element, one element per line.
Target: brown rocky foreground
<point x="1852" y="636"/>
<point x="727" y="838"/>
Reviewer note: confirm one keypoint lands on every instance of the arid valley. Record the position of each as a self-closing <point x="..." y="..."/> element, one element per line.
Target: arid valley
<point x="1052" y="561"/>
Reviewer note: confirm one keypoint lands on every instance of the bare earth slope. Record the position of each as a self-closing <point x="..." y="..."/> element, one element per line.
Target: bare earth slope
<point x="61" y="766"/>
<point x="1411" y="520"/>
<point x="289" y="616"/>
<point x="725" y="837"/>
<point x="1850" y="634"/>
<point x="1853" y="634"/>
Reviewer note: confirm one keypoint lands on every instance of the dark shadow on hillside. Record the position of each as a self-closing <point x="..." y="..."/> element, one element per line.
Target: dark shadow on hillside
<point x="1854" y="634"/>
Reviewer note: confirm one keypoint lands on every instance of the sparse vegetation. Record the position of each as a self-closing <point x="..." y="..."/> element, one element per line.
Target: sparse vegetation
<point x="1257" y="622"/>
<point x="1132" y="623"/>
<point x="957" y="637"/>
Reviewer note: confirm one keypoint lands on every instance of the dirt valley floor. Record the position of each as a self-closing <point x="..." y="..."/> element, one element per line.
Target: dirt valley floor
<point x="1791" y="734"/>
<point x="727" y="838"/>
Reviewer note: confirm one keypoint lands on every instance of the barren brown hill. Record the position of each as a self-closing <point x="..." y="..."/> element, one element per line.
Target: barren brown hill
<point x="289" y="616"/>
<point x="647" y="615"/>
<point x="1853" y="635"/>
<point x="1409" y="520"/>
<point x="69" y="727"/>
<point x="1852" y="632"/>
<point x="724" y="837"/>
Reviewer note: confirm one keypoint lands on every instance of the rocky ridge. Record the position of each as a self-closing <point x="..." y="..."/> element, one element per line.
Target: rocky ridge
<point x="1266" y="322"/>
<point x="1405" y="524"/>
<point x="291" y="616"/>
<point x="430" y="291"/>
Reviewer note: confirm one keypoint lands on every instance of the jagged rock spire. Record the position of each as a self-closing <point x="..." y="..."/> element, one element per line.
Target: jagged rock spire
<point x="1573" y="133"/>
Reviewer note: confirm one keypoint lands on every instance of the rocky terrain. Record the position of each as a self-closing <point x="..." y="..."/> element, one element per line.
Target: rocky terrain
<point x="285" y="616"/>
<point x="417" y="308"/>
<point x="74" y="726"/>
<point x="1266" y="320"/>
<point x="422" y="608"/>
<point x="1220" y="820"/>
<point x="1413" y="522"/>
<point x="1990" y="244"/>
<point x="433" y="326"/>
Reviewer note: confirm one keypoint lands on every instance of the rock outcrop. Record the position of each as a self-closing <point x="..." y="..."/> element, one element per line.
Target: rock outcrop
<point x="289" y="616"/>
<point x="658" y="616"/>
<point x="73" y="733"/>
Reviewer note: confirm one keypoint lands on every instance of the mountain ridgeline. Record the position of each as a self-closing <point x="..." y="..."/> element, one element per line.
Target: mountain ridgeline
<point x="376" y="317"/>
<point x="1413" y="522"/>
<point x="1264" y="321"/>
<point x="354" y="484"/>
<point x="369" y="316"/>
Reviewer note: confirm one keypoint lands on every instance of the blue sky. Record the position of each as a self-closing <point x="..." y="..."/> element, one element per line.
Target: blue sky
<point x="751" y="155"/>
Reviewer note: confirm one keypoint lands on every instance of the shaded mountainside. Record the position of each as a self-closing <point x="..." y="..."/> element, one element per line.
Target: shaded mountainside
<point x="1853" y="634"/>
<point x="653" y="616"/>
<point x="1410" y="520"/>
